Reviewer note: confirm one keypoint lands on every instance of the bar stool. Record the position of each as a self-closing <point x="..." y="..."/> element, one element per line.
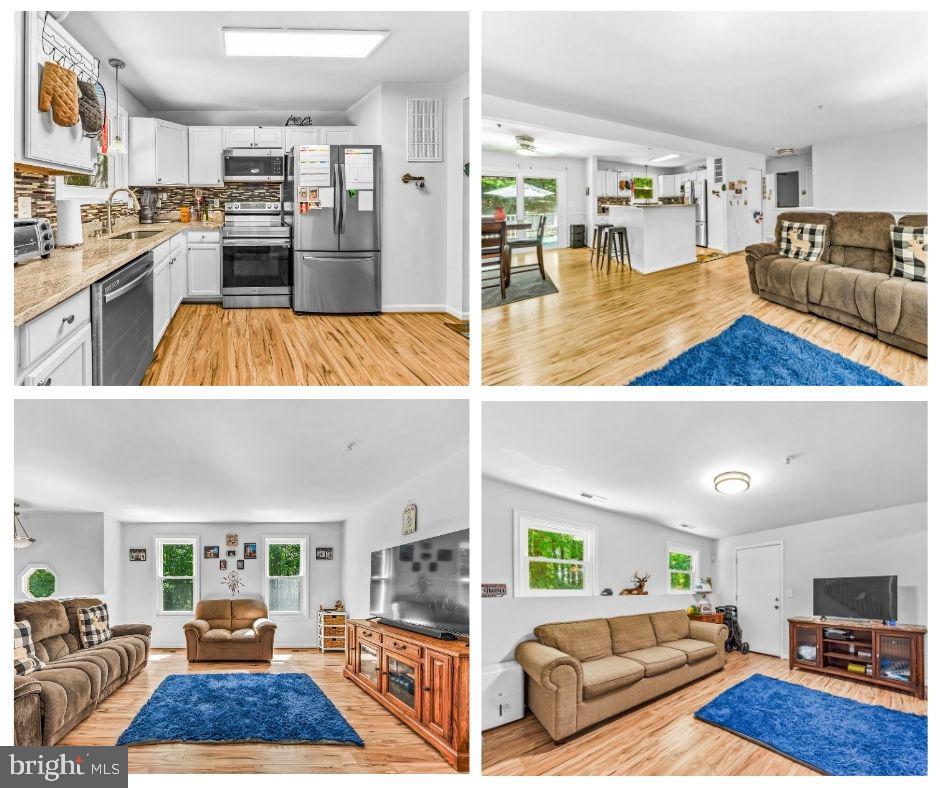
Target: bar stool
<point x="618" y="245"/>
<point x="598" y="241"/>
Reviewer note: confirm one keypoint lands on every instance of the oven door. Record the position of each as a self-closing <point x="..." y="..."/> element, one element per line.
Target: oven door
<point x="253" y="266"/>
<point x="253" y="166"/>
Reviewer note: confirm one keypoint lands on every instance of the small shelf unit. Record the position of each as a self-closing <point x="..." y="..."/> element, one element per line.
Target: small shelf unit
<point x="331" y="627"/>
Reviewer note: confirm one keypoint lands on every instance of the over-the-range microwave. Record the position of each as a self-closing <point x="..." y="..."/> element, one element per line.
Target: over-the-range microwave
<point x="253" y="165"/>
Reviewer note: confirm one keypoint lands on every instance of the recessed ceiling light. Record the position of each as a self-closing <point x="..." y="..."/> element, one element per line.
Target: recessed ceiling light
<point x="593" y="497"/>
<point x="285" y="42"/>
<point x="666" y="157"/>
<point x="731" y="482"/>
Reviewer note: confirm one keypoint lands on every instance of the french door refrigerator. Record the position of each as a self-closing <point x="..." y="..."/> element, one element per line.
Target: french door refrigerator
<point x="337" y="246"/>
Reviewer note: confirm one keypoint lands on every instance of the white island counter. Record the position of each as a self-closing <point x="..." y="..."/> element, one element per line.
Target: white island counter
<point x="661" y="236"/>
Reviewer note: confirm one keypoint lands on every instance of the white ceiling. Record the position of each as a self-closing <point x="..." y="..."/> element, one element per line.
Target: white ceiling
<point x="500" y="135"/>
<point x="175" y="61"/>
<point x="746" y="80"/>
<point x="657" y="461"/>
<point x="222" y="460"/>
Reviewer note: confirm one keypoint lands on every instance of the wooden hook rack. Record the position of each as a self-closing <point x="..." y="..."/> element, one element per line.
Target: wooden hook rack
<point x="408" y="178"/>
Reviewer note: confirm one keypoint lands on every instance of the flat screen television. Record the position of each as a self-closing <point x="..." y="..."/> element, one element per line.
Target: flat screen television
<point x="424" y="586"/>
<point x="872" y="598"/>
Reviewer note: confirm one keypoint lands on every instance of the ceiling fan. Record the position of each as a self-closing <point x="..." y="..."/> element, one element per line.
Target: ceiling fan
<point x="525" y="146"/>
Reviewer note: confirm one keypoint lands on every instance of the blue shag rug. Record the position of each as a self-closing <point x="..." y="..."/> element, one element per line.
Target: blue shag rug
<point x="288" y="708"/>
<point x="751" y="353"/>
<point x="830" y="734"/>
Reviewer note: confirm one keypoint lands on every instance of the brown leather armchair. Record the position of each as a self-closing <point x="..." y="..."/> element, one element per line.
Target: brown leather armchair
<point x="230" y="629"/>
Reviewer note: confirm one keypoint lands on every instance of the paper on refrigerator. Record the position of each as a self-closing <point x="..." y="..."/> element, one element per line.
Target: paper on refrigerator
<point x="359" y="167"/>
<point x="312" y="165"/>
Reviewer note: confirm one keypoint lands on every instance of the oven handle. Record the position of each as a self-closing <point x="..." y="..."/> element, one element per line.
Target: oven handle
<point x="256" y="242"/>
<point x="109" y="297"/>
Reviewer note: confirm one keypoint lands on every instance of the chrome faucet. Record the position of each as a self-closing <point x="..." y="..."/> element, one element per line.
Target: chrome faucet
<point x="111" y="197"/>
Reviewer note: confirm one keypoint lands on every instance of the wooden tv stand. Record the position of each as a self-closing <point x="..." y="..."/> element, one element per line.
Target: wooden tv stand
<point x="891" y="657"/>
<point x="423" y="681"/>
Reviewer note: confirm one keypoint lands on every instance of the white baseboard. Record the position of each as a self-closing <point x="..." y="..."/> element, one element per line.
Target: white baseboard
<point x="414" y="308"/>
<point x="457" y="314"/>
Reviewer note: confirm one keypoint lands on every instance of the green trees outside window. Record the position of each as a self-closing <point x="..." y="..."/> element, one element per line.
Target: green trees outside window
<point x="681" y="566"/>
<point x="564" y="567"/>
<point x="178" y="574"/>
<point x="283" y="560"/>
<point x="285" y="576"/>
<point x="41" y="583"/>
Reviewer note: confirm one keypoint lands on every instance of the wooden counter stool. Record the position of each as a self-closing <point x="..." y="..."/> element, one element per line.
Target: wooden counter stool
<point x="598" y="240"/>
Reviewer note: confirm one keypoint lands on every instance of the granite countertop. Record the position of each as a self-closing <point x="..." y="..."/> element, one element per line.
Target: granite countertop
<point x="39" y="285"/>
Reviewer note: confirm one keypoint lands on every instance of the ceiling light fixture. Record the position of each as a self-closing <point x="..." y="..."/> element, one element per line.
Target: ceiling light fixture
<point x="117" y="144"/>
<point x="525" y="146"/>
<point x="731" y="482"/>
<point x="665" y="157"/>
<point x="20" y="540"/>
<point x="286" y="42"/>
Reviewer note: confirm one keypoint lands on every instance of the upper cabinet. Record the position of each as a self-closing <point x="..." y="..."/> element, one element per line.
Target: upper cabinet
<point x="205" y="155"/>
<point x="253" y="137"/>
<point x="158" y="153"/>
<point x="338" y="135"/>
<point x="300" y="135"/>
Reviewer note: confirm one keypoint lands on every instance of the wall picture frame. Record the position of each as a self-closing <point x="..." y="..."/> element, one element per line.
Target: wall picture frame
<point x="138" y="553"/>
<point x="324" y="554"/>
<point x="409" y="519"/>
<point x="251" y="550"/>
<point x="210" y="551"/>
<point x="231" y="553"/>
<point x="223" y="565"/>
<point x="231" y="540"/>
<point x="240" y="563"/>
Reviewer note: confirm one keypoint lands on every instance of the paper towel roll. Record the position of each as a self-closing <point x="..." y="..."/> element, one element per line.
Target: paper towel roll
<point x="69" y="214"/>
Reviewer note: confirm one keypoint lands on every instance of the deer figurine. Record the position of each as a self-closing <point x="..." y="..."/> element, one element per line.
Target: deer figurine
<point x="639" y="587"/>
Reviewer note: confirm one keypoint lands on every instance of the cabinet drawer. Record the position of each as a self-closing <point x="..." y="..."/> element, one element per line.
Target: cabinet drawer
<point x="161" y="254"/>
<point x="204" y="236"/>
<point x="43" y="333"/>
<point x="176" y="243"/>
<point x="370" y="636"/>
<point x="68" y="365"/>
<point x="401" y="647"/>
<point x="334" y="628"/>
<point x="328" y="619"/>
<point x="334" y="642"/>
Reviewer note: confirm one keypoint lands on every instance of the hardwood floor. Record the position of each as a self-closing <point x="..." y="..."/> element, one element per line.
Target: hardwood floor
<point x="605" y="329"/>
<point x="663" y="738"/>
<point x="391" y="747"/>
<point x="206" y="345"/>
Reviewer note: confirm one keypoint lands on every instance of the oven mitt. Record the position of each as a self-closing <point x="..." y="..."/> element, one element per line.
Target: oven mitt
<point x="89" y="109"/>
<point x="59" y="91"/>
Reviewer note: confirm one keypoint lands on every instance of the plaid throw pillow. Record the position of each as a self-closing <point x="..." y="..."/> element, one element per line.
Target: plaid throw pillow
<point x="25" y="660"/>
<point x="910" y="252"/>
<point x="93" y="625"/>
<point x="802" y="241"/>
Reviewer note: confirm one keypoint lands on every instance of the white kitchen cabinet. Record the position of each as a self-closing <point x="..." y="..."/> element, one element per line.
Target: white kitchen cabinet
<point x="610" y="183"/>
<point x="157" y="153"/>
<point x="205" y="271"/>
<point x="269" y="137"/>
<point x="162" y="295"/>
<point x="205" y="155"/>
<point x="301" y="135"/>
<point x="253" y="136"/>
<point x="338" y="135"/>
<point x="68" y="365"/>
<point x="179" y="276"/>
<point x="598" y="183"/>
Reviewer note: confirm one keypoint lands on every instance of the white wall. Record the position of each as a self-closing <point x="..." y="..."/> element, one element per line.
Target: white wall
<point x="139" y="583"/>
<point x="113" y="570"/>
<point x="71" y="544"/>
<point x="443" y="506"/>
<point x="624" y="545"/>
<point x="241" y="117"/>
<point x="884" y="542"/>
<point x="872" y="172"/>
<point x="775" y="164"/>
<point x="456" y="142"/>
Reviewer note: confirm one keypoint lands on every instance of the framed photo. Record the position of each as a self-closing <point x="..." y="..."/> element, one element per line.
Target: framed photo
<point x="240" y="564"/>
<point x="251" y="549"/>
<point x="231" y="540"/>
<point x="138" y="554"/>
<point x="324" y="554"/>
<point x="409" y="519"/>
<point x="223" y="564"/>
<point x="231" y="553"/>
<point x="210" y="552"/>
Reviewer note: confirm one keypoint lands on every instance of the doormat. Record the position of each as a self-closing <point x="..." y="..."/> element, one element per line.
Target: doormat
<point x="522" y="286"/>
<point x="752" y="353"/>
<point x="825" y="732"/>
<point x="220" y="708"/>
<point x="462" y="328"/>
<point x="705" y="255"/>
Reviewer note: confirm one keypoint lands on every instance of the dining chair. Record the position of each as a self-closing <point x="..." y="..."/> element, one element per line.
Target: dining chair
<point x="530" y="243"/>
<point x="495" y="253"/>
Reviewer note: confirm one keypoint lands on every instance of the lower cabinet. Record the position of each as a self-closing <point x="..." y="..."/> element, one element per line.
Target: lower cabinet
<point x="205" y="271"/>
<point x="68" y="365"/>
<point x="162" y="300"/>
<point x="421" y="680"/>
<point x="55" y="348"/>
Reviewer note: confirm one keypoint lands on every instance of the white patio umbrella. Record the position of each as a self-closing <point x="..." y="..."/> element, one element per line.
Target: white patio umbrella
<point x="528" y="191"/>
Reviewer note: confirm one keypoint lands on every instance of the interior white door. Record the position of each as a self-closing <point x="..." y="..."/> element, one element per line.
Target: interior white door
<point x="758" y="596"/>
<point x="754" y="203"/>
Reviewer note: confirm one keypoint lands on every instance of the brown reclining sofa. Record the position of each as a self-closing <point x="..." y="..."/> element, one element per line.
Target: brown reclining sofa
<point x="49" y="702"/>
<point x="581" y="672"/>
<point x="851" y="283"/>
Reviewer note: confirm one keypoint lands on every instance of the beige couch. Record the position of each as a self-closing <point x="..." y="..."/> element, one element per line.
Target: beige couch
<point x="581" y="672"/>
<point x="851" y="283"/>
<point x="230" y="629"/>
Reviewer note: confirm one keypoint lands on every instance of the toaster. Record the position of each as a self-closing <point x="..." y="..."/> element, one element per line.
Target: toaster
<point x="32" y="238"/>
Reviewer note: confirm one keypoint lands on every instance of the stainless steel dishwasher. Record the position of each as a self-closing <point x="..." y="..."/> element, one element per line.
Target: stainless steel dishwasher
<point x="122" y="324"/>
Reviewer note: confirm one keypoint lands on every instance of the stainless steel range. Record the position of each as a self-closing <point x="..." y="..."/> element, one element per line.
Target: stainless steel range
<point x="256" y="261"/>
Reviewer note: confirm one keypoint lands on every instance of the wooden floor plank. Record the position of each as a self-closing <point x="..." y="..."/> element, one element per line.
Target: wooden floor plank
<point x="663" y="738"/>
<point x="391" y="747"/>
<point x="607" y="328"/>
<point x="206" y="345"/>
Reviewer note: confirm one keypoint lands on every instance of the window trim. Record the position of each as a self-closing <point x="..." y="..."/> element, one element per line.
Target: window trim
<point x="303" y="541"/>
<point x="693" y="572"/>
<point x="522" y="521"/>
<point x="24" y="581"/>
<point x="158" y="542"/>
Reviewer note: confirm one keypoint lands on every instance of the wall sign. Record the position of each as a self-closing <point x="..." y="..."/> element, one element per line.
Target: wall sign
<point x="324" y="554"/>
<point x="138" y="554"/>
<point x="491" y="590"/>
<point x="409" y="519"/>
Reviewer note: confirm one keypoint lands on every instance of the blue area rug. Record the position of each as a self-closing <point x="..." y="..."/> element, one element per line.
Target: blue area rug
<point x="240" y="707"/>
<point x="751" y="353"/>
<point x="833" y="735"/>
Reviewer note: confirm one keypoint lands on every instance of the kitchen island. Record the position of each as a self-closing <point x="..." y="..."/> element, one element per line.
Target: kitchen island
<point x="661" y="236"/>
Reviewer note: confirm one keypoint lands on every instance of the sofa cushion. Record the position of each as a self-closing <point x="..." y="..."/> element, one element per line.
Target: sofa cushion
<point x="696" y="650"/>
<point x="862" y="240"/>
<point x="244" y="634"/>
<point x="809" y="217"/>
<point x="94" y="625"/>
<point x="670" y="625"/>
<point x="68" y="690"/>
<point x="46" y="618"/>
<point x="218" y="634"/>
<point x="25" y="660"/>
<point x="583" y="640"/>
<point x="629" y="633"/>
<point x="217" y="612"/>
<point x="901" y="308"/>
<point x="802" y="240"/>
<point x="246" y="611"/>
<point x="909" y="247"/>
<point x="609" y="673"/>
<point x="784" y="276"/>
<point x="849" y="290"/>
<point x="658" y="659"/>
<point x="72" y="608"/>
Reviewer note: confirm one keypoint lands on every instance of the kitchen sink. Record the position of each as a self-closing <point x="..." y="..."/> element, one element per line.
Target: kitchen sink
<point x="133" y="235"/>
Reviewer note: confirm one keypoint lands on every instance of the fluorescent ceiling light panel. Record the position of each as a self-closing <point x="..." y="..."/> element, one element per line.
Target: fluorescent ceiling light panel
<point x="666" y="157"/>
<point x="283" y="42"/>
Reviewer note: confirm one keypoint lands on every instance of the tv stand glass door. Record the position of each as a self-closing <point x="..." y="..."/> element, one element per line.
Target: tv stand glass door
<point x="402" y="683"/>
<point x="895" y="654"/>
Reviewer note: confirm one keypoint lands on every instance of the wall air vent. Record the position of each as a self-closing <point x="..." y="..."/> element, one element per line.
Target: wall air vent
<point x="425" y="129"/>
<point x="719" y="170"/>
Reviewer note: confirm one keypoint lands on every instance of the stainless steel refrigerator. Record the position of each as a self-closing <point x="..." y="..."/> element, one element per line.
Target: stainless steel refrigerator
<point x="698" y="196"/>
<point x="335" y="193"/>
